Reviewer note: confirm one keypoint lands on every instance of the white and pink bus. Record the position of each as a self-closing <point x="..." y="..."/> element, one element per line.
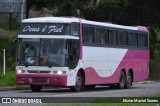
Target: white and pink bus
<point x="78" y="53"/>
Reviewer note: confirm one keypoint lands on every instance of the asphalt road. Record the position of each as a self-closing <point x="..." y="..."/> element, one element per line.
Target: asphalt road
<point x="99" y="91"/>
<point x="64" y="95"/>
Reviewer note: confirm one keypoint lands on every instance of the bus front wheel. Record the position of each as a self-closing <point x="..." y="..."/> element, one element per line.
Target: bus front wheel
<point x="36" y="88"/>
<point x="79" y="86"/>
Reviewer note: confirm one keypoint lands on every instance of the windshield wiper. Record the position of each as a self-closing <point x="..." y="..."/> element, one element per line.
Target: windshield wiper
<point x="26" y="64"/>
<point x="49" y="64"/>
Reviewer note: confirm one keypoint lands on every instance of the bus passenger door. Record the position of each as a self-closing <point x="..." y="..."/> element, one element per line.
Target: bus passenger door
<point x="73" y="53"/>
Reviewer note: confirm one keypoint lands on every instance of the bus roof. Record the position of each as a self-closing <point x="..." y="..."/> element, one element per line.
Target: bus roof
<point x="75" y="19"/>
<point x="109" y="24"/>
<point x="50" y="20"/>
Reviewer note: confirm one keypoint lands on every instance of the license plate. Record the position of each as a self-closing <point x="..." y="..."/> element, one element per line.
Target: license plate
<point x="39" y="80"/>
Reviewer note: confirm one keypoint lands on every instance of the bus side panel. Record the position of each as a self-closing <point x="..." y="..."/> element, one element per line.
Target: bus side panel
<point x="139" y="60"/>
<point x="100" y="64"/>
<point x="107" y="71"/>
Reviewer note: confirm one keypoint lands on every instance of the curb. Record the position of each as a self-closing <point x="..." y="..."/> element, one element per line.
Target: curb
<point x="145" y="82"/>
<point x="21" y="88"/>
<point x="14" y="88"/>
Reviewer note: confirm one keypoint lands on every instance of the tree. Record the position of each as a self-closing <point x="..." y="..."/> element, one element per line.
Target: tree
<point x="67" y="8"/>
<point x="39" y="4"/>
<point x="154" y="42"/>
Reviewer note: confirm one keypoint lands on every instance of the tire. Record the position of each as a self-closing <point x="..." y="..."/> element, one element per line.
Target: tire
<point x="79" y="83"/>
<point x="128" y="80"/>
<point x="122" y="81"/>
<point x="36" y="88"/>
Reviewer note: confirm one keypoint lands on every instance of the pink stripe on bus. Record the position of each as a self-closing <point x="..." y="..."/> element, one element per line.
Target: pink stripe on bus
<point x="136" y="59"/>
<point x="142" y="28"/>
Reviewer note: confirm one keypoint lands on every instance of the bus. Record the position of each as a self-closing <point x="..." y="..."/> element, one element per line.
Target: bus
<point x="80" y="54"/>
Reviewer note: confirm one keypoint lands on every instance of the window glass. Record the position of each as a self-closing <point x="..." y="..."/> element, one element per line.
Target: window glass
<point x="98" y="33"/>
<point x="133" y="39"/>
<point x="123" y="38"/>
<point x="75" y="29"/>
<point x="88" y="34"/>
<point x="42" y="52"/>
<point x="112" y="37"/>
<point x="104" y="36"/>
<point x="142" y="40"/>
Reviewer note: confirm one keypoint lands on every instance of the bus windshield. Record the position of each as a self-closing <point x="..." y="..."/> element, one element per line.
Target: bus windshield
<point x="42" y="52"/>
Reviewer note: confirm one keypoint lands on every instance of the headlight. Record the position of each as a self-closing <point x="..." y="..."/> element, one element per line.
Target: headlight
<point x="59" y="72"/>
<point x="20" y="71"/>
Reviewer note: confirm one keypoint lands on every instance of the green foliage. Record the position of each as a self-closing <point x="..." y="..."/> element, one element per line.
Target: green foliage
<point x="7" y="42"/>
<point x="125" y="12"/>
<point x="154" y="70"/>
<point x="5" y="26"/>
<point x="154" y="43"/>
<point x="67" y="8"/>
<point x="8" y="79"/>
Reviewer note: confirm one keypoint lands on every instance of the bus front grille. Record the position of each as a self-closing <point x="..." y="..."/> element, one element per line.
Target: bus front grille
<point x="38" y="80"/>
<point x="34" y="71"/>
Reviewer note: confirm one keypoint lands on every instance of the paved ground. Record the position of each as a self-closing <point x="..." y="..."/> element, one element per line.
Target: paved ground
<point x="138" y="89"/>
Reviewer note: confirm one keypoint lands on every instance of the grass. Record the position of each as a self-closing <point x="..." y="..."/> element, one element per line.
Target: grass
<point x="14" y="25"/>
<point x="8" y="34"/>
<point x="156" y="95"/>
<point x="154" y="70"/>
<point x="8" y="79"/>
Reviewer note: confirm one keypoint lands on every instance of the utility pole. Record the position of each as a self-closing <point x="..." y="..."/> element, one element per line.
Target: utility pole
<point x="4" y="61"/>
<point x="22" y="9"/>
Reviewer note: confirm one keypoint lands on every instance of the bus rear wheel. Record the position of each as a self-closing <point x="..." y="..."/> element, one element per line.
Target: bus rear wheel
<point x="128" y="80"/>
<point x="36" y="88"/>
<point x="122" y="80"/>
<point x="79" y="83"/>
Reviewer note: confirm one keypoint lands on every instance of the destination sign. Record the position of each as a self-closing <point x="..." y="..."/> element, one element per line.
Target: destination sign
<point x="44" y="29"/>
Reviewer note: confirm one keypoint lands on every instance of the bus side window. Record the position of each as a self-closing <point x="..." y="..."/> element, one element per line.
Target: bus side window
<point x="112" y="37"/>
<point x="88" y="33"/>
<point x="133" y="39"/>
<point x="98" y="32"/>
<point x="142" y="40"/>
<point x="122" y="38"/>
<point x="75" y="29"/>
<point x="104" y="36"/>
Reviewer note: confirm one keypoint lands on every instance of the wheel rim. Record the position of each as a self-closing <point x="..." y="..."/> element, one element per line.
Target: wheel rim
<point x="129" y="79"/>
<point x="78" y="81"/>
<point x="122" y="81"/>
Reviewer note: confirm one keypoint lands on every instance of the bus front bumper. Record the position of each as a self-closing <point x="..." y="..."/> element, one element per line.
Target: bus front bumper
<point x="41" y="79"/>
